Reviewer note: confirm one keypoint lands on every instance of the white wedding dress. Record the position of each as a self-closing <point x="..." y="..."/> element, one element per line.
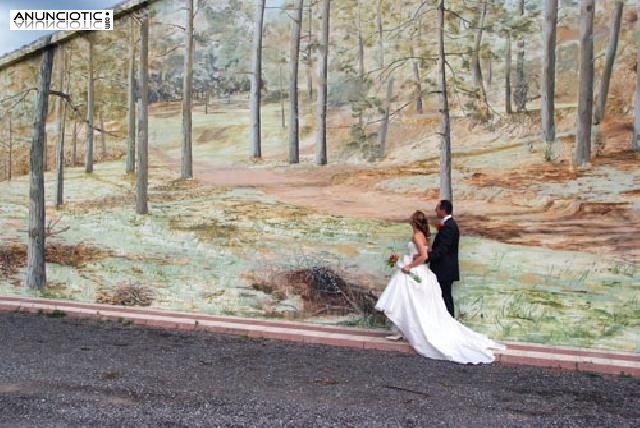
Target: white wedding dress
<point x="418" y="311"/>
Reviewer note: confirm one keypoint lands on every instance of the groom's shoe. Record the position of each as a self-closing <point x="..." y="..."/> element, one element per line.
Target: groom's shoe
<point x="395" y="337"/>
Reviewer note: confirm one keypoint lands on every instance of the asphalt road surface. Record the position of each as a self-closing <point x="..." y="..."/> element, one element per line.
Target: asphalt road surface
<point x="59" y="372"/>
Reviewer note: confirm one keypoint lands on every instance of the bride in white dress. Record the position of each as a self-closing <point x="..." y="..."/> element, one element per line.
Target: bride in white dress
<point x="418" y="311"/>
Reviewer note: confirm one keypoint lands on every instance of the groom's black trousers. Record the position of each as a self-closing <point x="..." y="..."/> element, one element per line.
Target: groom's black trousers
<point x="445" y="287"/>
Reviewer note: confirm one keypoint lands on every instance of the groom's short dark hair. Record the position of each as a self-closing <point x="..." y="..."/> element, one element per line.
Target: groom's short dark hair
<point x="447" y="206"/>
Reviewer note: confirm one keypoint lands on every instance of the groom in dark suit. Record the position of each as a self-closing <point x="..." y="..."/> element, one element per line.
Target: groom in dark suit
<point x="443" y="257"/>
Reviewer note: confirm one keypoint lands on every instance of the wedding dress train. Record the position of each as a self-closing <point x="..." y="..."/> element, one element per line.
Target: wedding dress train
<point x="418" y="311"/>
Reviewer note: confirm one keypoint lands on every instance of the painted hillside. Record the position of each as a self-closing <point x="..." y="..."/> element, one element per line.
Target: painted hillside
<point x="549" y="250"/>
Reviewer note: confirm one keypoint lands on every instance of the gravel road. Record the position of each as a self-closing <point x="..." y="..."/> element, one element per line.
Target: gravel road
<point x="59" y="372"/>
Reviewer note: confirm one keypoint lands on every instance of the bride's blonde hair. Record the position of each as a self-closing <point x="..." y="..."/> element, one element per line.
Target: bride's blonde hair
<point x="420" y="221"/>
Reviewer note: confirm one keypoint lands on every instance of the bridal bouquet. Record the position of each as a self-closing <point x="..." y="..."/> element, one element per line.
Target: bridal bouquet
<point x="393" y="259"/>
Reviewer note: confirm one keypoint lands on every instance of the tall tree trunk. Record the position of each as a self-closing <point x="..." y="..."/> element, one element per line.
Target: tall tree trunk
<point x="294" y="57"/>
<point x="256" y="80"/>
<point x="206" y="99"/>
<point x="635" y="142"/>
<point x="88" y="151"/>
<point x="380" y="35"/>
<point x="131" y="102"/>
<point x="142" y="178"/>
<point x="103" y="140"/>
<point x="445" y="126"/>
<point x="475" y="59"/>
<point x="507" y="76"/>
<point x="45" y="154"/>
<point x="74" y="159"/>
<point x="490" y="71"/>
<point x="585" y="82"/>
<point x="520" y="95"/>
<point x="384" y="126"/>
<point x="36" y="265"/>
<point x="614" y="32"/>
<point x="360" y="67"/>
<point x="69" y="74"/>
<point x="321" y="142"/>
<point x="309" y="54"/>
<point x="416" y="77"/>
<point x="186" y="166"/>
<point x="10" y="149"/>
<point x="283" y="124"/>
<point x="61" y="109"/>
<point x="548" y="84"/>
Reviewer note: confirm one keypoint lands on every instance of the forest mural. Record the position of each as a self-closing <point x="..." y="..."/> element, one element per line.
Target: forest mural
<point x="260" y="158"/>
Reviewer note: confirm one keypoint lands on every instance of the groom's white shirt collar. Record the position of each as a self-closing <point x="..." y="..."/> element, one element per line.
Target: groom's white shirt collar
<point x="447" y="217"/>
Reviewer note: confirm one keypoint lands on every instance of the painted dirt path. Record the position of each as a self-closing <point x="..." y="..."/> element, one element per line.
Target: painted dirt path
<point x="350" y="190"/>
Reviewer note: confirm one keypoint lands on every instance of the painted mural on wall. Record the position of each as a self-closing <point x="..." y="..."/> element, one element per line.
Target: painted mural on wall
<point x="294" y="228"/>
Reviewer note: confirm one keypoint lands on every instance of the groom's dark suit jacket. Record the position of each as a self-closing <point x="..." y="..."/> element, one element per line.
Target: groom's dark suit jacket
<point x="443" y="258"/>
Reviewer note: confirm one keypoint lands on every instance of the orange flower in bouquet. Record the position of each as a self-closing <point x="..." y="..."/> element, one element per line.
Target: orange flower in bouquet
<point x="393" y="259"/>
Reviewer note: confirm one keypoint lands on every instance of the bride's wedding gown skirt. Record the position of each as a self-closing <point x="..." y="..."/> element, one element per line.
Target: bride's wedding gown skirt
<point x="418" y="311"/>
